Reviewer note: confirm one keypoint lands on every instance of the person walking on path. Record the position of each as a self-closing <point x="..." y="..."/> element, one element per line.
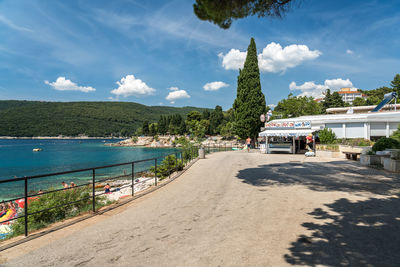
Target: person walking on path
<point x="248" y="143"/>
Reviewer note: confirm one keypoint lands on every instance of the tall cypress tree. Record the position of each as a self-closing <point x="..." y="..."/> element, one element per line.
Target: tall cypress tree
<point x="250" y="101"/>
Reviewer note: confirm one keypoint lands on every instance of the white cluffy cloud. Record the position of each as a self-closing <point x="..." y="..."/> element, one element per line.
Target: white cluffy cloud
<point x="129" y="85"/>
<point x="63" y="84"/>
<point x="176" y="94"/>
<point x="350" y="52"/>
<point x="273" y="58"/>
<point x="317" y="90"/>
<point x="214" y="86"/>
<point x="233" y="60"/>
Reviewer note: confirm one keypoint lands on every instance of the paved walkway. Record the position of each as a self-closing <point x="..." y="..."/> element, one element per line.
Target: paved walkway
<point x="241" y="209"/>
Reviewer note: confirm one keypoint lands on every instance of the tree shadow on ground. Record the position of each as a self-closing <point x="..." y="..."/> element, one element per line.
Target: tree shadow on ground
<point x="323" y="176"/>
<point x="364" y="233"/>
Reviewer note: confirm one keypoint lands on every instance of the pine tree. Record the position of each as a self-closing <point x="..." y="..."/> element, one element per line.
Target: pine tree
<point x="332" y="100"/>
<point x="162" y="126"/>
<point x="396" y="84"/>
<point x="145" y="128"/>
<point x="250" y="101"/>
<point x="216" y="118"/>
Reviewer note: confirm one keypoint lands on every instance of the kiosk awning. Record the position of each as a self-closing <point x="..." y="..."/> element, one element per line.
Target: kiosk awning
<point x="287" y="133"/>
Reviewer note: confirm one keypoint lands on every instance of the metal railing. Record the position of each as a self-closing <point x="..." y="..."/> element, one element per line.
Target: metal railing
<point x="93" y="179"/>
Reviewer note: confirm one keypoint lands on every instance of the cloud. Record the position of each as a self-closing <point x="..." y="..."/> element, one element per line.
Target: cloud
<point x="273" y="58"/>
<point x="63" y="84"/>
<point x="317" y="90"/>
<point x="233" y="60"/>
<point x="350" y="52"/>
<point x="12" y="25"/>
<point x="176" y="94"/>
<point x="336" y="84"/>
<point x="271" y="105"/>
<point x="129" y="86"/>
<point x="214" y="86"/>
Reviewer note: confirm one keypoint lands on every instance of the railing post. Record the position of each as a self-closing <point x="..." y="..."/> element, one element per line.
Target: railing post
<point x="94" y="190"/>
<point x="26" y="206"/>
<point x="155" y="171"/>
<point x="133" y="178"/>
<point x="176" y="162"/>
<point x="169" y="170"/>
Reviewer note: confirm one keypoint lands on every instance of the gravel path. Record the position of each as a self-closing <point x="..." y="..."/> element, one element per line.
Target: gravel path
<point x="242" y="209"/>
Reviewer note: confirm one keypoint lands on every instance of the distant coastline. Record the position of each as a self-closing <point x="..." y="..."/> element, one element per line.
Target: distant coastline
<point x="60" y="137"/>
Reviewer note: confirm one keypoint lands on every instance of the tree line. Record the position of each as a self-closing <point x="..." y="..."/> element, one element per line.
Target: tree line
<point x="294" y="106"/>
<point x="100" y="119"/>
<point x="198" y="124"/>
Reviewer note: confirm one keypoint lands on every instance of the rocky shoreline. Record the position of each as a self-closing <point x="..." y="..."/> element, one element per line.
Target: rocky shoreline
<point x="171" y="141"/>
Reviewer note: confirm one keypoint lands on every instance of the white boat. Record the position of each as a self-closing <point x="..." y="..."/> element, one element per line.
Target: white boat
<point x="37" y="149"/>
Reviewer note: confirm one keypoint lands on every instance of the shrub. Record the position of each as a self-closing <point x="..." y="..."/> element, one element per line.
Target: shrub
<point x="134" y="139"/>
<point x="326" y="136"/>
<point x="385" y="143"/>
<point x="167" y="166"/>
<point x="83" y="202"/>
<point x="355" y="142"/>
<point x="396" y="134"/>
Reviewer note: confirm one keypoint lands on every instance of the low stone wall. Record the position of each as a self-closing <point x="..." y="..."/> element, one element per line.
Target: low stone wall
<point x="370" y="160"/>
<point x="392" y="165"/>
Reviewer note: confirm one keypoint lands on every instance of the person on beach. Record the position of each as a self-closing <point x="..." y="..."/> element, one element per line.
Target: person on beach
<point x="248" y="143"/>
<point x="309" y="140"/>
<point x="107" y="189"/>
<point x="65" y="185"/>
<point x="2" y="206"/>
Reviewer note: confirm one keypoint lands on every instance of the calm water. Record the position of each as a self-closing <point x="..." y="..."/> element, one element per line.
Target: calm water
<point x="17" y="160"/>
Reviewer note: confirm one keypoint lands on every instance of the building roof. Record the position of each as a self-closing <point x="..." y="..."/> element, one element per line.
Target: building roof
<point x="349" y="92"/>
<point x="389" y="116"/>
<point x="358" y="109"/>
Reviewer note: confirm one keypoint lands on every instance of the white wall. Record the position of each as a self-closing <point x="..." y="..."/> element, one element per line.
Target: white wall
<point x="378" y="128"/>
<point x="393" y="127"/>
<point x="355" y="130"/>
<point x="337" y="128"/>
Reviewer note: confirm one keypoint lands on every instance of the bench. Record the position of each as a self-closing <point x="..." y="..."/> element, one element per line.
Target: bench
<point x="351" y="155"/>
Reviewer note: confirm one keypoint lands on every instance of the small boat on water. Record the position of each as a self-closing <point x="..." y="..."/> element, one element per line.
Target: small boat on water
<point x="37" y="149"/>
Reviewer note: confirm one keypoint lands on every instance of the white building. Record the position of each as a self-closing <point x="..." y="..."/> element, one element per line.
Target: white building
<point x="357" y="125"/>
<point x="349" y="94"/>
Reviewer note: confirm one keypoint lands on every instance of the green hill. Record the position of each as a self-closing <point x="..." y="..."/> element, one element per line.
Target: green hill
<point x="35" y="118"/>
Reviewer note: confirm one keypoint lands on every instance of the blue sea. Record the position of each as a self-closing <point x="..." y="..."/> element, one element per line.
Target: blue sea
<point x="17" y="159"/>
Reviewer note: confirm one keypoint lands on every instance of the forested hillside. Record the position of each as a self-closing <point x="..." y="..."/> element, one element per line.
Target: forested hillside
<point x="34" y="118"/>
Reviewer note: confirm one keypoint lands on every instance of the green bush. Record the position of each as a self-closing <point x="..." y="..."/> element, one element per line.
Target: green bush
<point x="385" y="143"/>
<point x="396" y="134"/>
<point x="355" y="142"/>
<point x="167" y="166"/>
<point x="326" y="136"/>
<point x="41" y="219"/>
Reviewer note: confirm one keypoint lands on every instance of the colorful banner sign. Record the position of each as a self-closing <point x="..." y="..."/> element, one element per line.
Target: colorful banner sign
<point x="289" y="124"/>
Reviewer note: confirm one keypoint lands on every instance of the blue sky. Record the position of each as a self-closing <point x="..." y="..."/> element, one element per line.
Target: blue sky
<point x="159" y="53"/>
